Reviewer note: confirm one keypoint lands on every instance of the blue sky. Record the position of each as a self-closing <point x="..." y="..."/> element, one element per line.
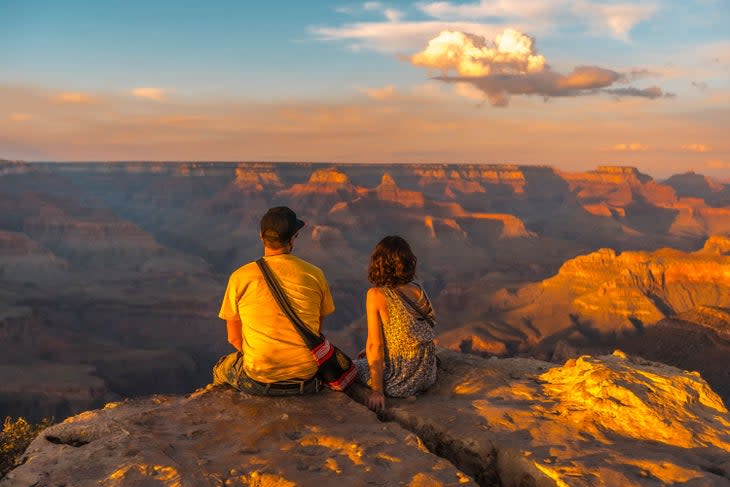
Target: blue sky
<point x="220" y="62"/>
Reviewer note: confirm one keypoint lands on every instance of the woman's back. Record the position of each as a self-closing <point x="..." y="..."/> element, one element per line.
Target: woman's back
<point x="410" y="355"/>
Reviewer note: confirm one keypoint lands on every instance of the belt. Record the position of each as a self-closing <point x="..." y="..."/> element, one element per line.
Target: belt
<point x="289" y="385"/>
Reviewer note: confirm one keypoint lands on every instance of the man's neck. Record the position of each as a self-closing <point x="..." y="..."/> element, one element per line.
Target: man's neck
<point x="271" y="252"/>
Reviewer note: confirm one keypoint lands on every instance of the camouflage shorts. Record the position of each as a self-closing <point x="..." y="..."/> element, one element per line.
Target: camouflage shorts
<point x="229" y="370"/>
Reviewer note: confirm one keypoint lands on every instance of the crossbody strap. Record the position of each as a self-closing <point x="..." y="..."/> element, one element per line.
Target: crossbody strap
<point x="416" y="308"/>
<point x="310" y="338"/>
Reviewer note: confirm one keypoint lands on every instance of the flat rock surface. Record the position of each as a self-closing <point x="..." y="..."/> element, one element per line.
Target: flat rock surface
<point x="218" y="436"/>
<point x="596" y="421"/>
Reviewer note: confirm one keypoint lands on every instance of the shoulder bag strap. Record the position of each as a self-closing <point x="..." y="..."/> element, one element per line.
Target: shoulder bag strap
<point x="415" y="308"/>
<point x="310" y="338"/>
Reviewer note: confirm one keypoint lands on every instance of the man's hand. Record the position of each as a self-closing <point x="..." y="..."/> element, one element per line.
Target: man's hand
<point x="376" y="401"/>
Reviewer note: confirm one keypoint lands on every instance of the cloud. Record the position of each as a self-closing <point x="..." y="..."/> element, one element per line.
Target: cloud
<point x="157" y="94"/>
<point x="370" y="6"/>
<point x="379" y="93"/>
<point x="394" y="36"/>
<point x="652" y="92"/>
<point x="616" y="19"/>
<point x="19" y="117"/>
<point x="696" y="148"/>
<point x="392" y="14"/>
<point x="472" y="55"/>
<point x="75" y="98"/>
<point x="632" y="147"/>
<point x="467" y="90"/>
<point x="510" y="65"/>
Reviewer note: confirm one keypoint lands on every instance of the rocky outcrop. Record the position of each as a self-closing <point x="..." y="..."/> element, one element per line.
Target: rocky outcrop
<point x="389" y="191"/>
<point x="254" y="180"/>
<point x="218" y="436"/>
<point x="611" y="421"/>
<point x="605" y="292"/>
<point x="710" y="317"/>
<point x="691" y="184"/>
<point x="323" y="182"/>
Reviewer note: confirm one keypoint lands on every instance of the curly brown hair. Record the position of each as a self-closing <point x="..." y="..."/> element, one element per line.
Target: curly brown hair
<point x="392" y="262"/>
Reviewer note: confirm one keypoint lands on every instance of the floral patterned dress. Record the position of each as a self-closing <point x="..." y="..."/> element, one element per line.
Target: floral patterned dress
<point x="410" y="354"/>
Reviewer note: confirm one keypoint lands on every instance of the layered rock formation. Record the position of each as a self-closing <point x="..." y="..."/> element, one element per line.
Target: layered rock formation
<point x="606" y="421"/>
<point x="389" y="191"/>
<point x="608" y="293"/>
<point x="132" y="258"/>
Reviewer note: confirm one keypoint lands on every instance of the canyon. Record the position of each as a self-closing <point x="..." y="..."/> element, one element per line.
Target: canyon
<point x="111" y="273"/>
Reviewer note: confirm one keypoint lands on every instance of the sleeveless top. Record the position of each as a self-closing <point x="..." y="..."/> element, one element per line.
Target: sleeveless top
<point x="409" y="351"/>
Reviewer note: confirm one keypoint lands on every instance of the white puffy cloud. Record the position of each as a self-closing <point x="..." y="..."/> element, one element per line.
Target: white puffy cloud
<point x="511" y="65"/>
<point x="471" y="55"/>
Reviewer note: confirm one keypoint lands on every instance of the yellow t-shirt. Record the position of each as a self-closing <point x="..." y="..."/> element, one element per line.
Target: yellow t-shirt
<point x="273" y="349"/>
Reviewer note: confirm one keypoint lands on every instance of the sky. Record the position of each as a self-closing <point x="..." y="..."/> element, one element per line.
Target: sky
<point x="571" y="84"/>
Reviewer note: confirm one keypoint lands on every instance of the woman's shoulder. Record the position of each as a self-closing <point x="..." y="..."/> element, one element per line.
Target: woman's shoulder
<point x="376" y="293"/>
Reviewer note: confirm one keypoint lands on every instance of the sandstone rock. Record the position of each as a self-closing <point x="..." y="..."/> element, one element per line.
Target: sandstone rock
<point x="218" y="436"/>
<point x="248" y="179"/>
<point x="595" y="421"/>
<point x="606" y="421"/>
<point x="389" y="191"/>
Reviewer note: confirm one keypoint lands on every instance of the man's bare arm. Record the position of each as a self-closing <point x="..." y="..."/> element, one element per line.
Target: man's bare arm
<point x="233" y="328"/>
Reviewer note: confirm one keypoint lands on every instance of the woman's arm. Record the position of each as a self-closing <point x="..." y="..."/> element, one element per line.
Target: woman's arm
<point x="374" y="348"/>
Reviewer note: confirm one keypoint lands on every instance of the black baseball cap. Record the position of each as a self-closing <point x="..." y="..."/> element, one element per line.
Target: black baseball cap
<point x="280" y="223"/>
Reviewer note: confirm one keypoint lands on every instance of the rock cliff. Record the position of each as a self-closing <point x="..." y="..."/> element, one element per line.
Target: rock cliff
<point x="594" y="421"/>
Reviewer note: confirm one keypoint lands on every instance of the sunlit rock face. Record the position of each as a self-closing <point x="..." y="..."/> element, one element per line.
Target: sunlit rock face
<point x="323" y="181"/>
<point x="606" y="421"/>
<point x="218" y="436"/>
<point x="606" y="292"/>
<point x="256" y="179"/>
<point x="595" y="421"/>
<point x="389" y="191"/>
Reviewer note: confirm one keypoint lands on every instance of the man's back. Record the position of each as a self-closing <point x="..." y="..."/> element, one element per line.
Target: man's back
<point x="273" y="350"/>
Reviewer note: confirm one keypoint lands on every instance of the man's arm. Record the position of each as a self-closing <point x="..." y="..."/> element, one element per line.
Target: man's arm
<point x="233" y="328"/>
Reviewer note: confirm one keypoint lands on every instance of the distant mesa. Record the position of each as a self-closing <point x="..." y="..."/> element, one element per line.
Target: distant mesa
<point x="389" y="191"/>
<point x="470" y="178"/>
<point x="693" y="184"/>
<point x="256" y="180"/>
<point x="325" y="182"/>
<point x="12" y="167"/>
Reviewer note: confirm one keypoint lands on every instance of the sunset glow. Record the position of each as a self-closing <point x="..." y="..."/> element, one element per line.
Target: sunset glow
<point x="568" y="84"/>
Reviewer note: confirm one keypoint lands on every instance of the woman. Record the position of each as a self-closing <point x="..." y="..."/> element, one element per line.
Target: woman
<point x="401" y="356"/>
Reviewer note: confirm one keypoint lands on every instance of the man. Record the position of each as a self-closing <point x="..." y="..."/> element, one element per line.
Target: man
<point x="271" y="357"/>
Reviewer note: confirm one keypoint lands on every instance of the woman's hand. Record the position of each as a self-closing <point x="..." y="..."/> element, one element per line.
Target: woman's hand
<point x="376" y="401"/>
